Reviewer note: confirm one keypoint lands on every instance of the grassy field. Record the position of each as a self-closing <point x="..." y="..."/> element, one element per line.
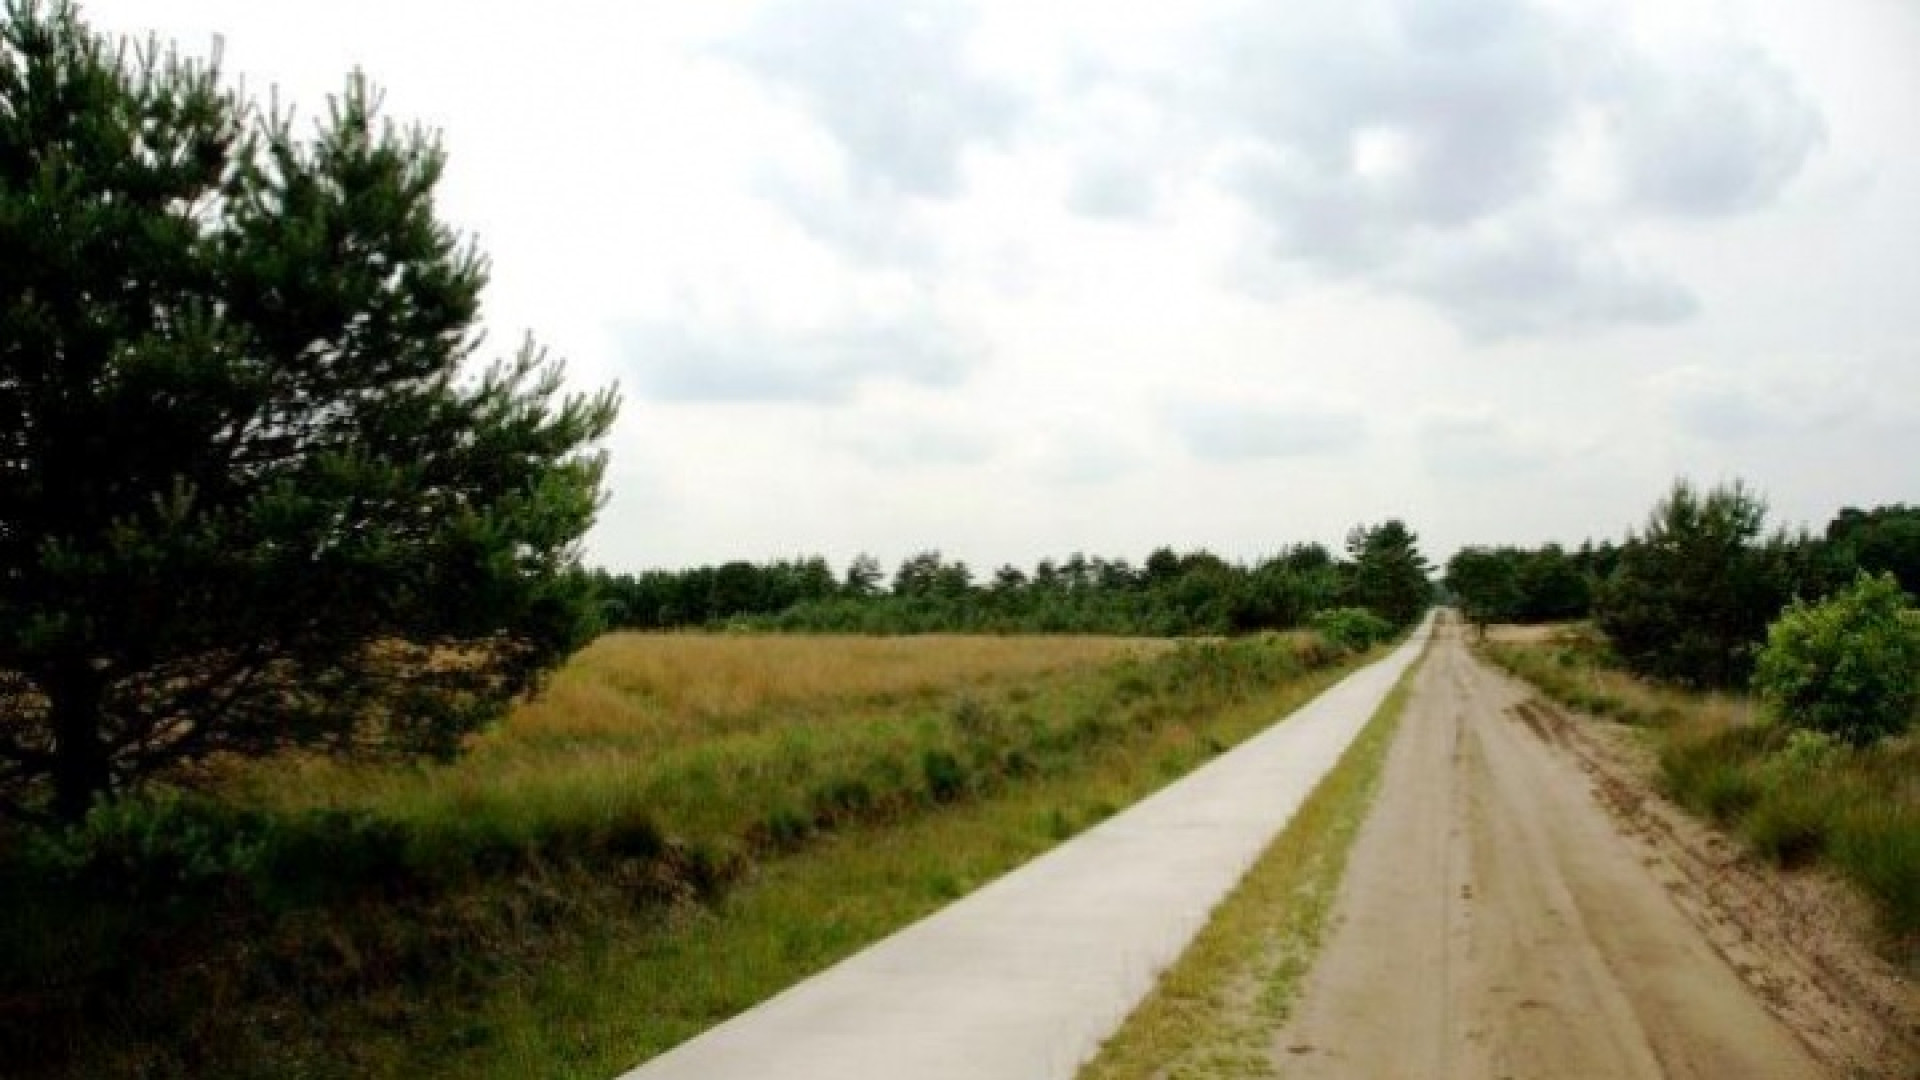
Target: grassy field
<point x="1796" y="799"/>
<point x="682" y="826"/>
<point x="705" y="736"/>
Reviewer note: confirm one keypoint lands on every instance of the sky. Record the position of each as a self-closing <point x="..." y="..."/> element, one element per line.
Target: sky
<point x="1011" y="279"/>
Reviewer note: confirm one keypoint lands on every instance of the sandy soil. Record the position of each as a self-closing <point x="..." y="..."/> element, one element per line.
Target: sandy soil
<point x="1521" y="905"/>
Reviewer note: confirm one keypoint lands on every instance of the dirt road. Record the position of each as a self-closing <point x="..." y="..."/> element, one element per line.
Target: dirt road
<point x="1498" y="920"/>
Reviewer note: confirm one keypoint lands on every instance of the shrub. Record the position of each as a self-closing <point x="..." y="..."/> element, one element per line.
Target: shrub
<point x="163" y="846"/>
<point x="1352" y="628"/>
<point x="946" y="777"/>
<point x="784" y="829"/>
<point x="1848" y="666"/>
<point x="846" y="799"/>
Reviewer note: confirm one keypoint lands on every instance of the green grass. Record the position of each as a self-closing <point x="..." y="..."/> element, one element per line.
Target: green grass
<point x="1213" y="1013"/>
<point x="1797" y="799"/>
<point x="1576" y="669"/>
<point x="560" y="905"/>
<point x="645" y="987"/>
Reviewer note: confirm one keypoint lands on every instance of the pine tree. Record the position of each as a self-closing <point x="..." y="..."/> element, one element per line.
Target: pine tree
<point x="251" y="495"/>
<point x="1389" y="575"/>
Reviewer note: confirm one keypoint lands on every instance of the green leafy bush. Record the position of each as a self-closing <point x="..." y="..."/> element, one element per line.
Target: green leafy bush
<point x="171" y="849"/>
<point x="946" y="777"/>
<point x="1848" y="666"/>
<point x="162" y="846"/>
<point x="1352" y="628"/>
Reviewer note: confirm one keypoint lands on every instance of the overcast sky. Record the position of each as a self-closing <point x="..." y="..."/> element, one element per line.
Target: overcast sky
<point x="1013" y="279"/>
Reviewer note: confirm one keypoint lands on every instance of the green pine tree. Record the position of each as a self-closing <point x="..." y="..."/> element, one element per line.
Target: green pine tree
<point x="1389" y="575"/>
<point x="250" y="494"/>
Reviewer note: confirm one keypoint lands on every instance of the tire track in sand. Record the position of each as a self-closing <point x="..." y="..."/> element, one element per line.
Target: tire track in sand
<point x="1497" y="922"/>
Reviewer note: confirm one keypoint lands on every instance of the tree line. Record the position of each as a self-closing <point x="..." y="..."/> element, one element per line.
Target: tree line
<point x="1168" y="594"/>
<point x="1688" y="596"/>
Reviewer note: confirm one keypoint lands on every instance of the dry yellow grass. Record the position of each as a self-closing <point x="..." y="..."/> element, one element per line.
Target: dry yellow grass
<point x="625" y="681"/>
<point x="1524" y="633"/>
<point x="632" y="711"/>
<point x="1566" y="659"/>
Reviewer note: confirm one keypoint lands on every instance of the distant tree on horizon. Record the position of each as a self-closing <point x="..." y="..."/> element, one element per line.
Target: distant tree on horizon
<point x="1388" y="573"/>
<point x="863" y="575"/>
<point x="1485" y="583"/>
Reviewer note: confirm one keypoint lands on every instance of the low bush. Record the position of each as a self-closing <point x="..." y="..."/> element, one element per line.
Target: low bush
<point x="1847" y="666"/>
<point x="946" y="777"/>
<point x="1352" y="628"/>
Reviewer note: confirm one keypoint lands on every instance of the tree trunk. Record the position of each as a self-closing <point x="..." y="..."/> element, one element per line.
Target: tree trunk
<point x="80" y="773"/>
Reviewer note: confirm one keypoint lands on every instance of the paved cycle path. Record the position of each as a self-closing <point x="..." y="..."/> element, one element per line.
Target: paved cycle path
<point x="1023" y="979"/>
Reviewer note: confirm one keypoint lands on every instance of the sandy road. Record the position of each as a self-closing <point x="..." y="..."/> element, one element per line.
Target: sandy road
<point x="1496" y="921"/>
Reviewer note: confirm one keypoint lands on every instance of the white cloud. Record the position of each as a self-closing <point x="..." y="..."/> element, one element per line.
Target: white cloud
<point x="1524" y="276"/>
<point x="1710" y="130"/>
<point x="1010" y="278"/>
<point x="1078" y="448"/>
<point x="1232" y="431"/>
<point x="891" y="441"/>
<point x="734" y="362"/>
<point x="889" y="79"/>
<point x="1456" y="151"/>
<point x="1478" y="445"/>
<point x="1112" y="188"/>
<point x="1808" y="400"/>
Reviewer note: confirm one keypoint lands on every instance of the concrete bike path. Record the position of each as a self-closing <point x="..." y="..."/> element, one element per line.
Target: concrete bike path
<point x="1024" y="978"/>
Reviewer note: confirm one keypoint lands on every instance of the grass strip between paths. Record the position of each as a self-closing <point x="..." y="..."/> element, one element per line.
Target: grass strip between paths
<point x="1214" y="1012"/>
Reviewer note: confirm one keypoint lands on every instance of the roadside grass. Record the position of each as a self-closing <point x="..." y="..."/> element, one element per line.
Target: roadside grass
<point x="800" y="915"/>
<point x="1573" y="665"/>
<point x="656" y="845"/>
<point x="1795" y="798"/>
<point x="631" y="703"/>
<point x="727" y="746"/>
<point x="1213" y="1014"/>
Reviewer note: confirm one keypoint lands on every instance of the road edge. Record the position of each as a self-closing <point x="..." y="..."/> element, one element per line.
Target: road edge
<point x="1216" y="1007"/>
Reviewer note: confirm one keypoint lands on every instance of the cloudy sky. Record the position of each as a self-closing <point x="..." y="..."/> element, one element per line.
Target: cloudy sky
<point x="1011" y="278"/>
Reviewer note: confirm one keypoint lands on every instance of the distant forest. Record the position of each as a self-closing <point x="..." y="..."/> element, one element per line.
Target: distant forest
<point x="1552" y="584"/>
<point x="1172" y="593"/>
<point x="1169" y="594"/>
<point x="1688" y="596"/>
